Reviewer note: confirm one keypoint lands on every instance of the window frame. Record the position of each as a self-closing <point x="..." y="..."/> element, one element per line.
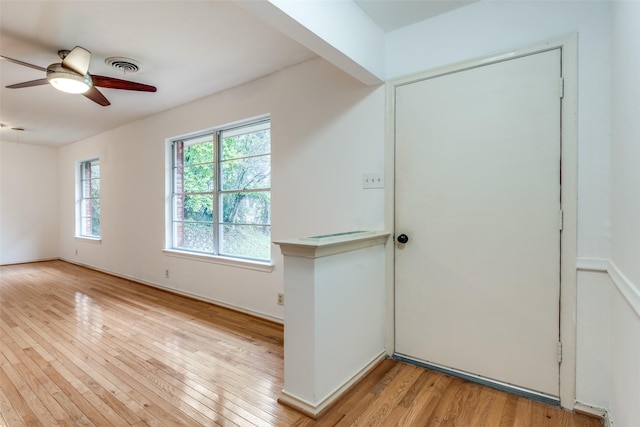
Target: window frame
<point x="82" y="167"/>
<point x="216" y="136"/>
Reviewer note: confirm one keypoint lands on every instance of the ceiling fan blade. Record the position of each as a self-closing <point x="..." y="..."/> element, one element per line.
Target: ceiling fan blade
<point x="77" y="60"/>
<point x="25" y="64"/>
<point x="113" y="83"/>
<point x="38" y="82"/>
<point x="96" y="96"/>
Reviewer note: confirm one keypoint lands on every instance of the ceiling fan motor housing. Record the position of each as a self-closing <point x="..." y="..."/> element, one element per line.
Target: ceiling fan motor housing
<point x="72" y="75"/>
<point x="68" y="81"/>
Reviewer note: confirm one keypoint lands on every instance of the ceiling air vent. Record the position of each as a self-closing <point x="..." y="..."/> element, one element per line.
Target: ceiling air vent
<point x="124" y="65"/>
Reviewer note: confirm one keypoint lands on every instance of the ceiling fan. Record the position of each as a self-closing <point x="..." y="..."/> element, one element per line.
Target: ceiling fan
<point x="72" y="76"/>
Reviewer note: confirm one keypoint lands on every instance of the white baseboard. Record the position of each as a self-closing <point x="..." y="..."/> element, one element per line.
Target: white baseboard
<point x="592" y="410"/>
<point x="28" y="261"/>
<point x="178" y="292"/>
<point x="314" y="410"/>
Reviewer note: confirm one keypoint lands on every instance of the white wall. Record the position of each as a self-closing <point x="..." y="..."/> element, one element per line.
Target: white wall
<point x="327" y="130"/>
<point x="626" y="137"/>
<point x="625" y="322"/>
<point x="28" y="202"/>
<point x="490" y="27"/>
<point x="593" y="365"/>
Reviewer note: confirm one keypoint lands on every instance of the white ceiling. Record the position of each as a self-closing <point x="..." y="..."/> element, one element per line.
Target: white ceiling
<point x="187" y="49"/>
<point x="394" y="14"/>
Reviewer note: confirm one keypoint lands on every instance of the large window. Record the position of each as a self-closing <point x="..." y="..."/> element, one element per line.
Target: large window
<point x="89" y="199"/>
<point x="221" y="198"/>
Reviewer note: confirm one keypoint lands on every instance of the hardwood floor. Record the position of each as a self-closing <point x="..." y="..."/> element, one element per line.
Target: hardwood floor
<point x="82" y="348"/>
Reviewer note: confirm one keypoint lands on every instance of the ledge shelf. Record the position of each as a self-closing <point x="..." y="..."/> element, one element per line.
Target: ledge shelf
<point x="331" y="244"/>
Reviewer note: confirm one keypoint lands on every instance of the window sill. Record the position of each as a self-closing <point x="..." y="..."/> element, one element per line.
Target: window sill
<point x="97" y="240"/>
<point x="232" y="262"/>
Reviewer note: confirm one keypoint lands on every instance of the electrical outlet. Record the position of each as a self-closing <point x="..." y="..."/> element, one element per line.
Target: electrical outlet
<point x="166" y="273"/>
<point x="280" y="299"/>
<point x="76" y="252"/>
<point x="372" y="180"/>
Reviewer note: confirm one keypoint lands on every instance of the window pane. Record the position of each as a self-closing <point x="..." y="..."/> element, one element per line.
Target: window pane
<point x="95" y="226"/>
<point x="196" y="207"/>
<point x="90" y="226"/>
<point x="246" y="241"/>
<point x="88" y="215"/>
<point x="85" y="208"/>
<point x="246" y="144"/>
<point x="95" y="208"/>
<point x="247" y="208"/>
<point x="197" y="179"/>
<point x="193" y="236"/>
<point x="95" y="169"/>
<point x="86" y="189"/>
<point x="246" y="174"/>
<point x="228" y="213"/>
<point x="201" y="152"/>
<point x="95" y="188"/>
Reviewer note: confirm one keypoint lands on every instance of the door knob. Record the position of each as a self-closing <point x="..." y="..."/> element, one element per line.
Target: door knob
<point x="403" y="238"/>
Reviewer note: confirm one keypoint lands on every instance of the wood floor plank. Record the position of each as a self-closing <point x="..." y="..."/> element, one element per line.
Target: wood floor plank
<point x="401" y="383"/>
<point x="403" y="414"/>
<point x="544" y="414"/>
<point x="508" y="415"/>
<point x="490" y="408"/>
<point x="134" y="395"/>
<point x="8" y="415"/>
<point x="85" y="369"/>
<point x="438" y="384"/>
<point x="93" y="415"/>
<point x="464" y="404"/>
<point x="17" y="409"/>
<point x="79" y="347"/>
<point x="346" y="411"/>
<point x="441" y="414"/>
<point x="33" y="409"/>
<point x="87" y="387"/>
<point x="62" y="409"/>
<point x="523" y="413"/>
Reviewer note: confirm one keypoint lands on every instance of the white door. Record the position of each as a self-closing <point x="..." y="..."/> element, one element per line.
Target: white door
<point x="478" y="195"/>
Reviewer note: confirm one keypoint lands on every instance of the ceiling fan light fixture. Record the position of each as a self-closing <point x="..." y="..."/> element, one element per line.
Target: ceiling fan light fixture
<point x="67" y="80"/>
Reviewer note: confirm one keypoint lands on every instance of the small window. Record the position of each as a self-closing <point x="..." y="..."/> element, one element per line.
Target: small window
<point x="221" y="196"/>
<point x="89" y="199"/>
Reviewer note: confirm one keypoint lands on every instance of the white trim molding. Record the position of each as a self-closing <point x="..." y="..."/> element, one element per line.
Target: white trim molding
<point x="177" y="291"/>
<point x="592" y="264"/>
<point x="315" y="410"/>
<point x="28" y="261"/>
<point x="627" y="289"/>
<point x="266" y="267"/>
<point x="592" y="410"/>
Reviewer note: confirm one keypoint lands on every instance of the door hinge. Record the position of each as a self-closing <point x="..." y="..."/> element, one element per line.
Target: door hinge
<point x="561" y="87"/>
<point x="560" y="220"/>
<point x="559" y="351"/>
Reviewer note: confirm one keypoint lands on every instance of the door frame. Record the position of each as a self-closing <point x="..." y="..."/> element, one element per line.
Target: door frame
<point x="568" y="46"/>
